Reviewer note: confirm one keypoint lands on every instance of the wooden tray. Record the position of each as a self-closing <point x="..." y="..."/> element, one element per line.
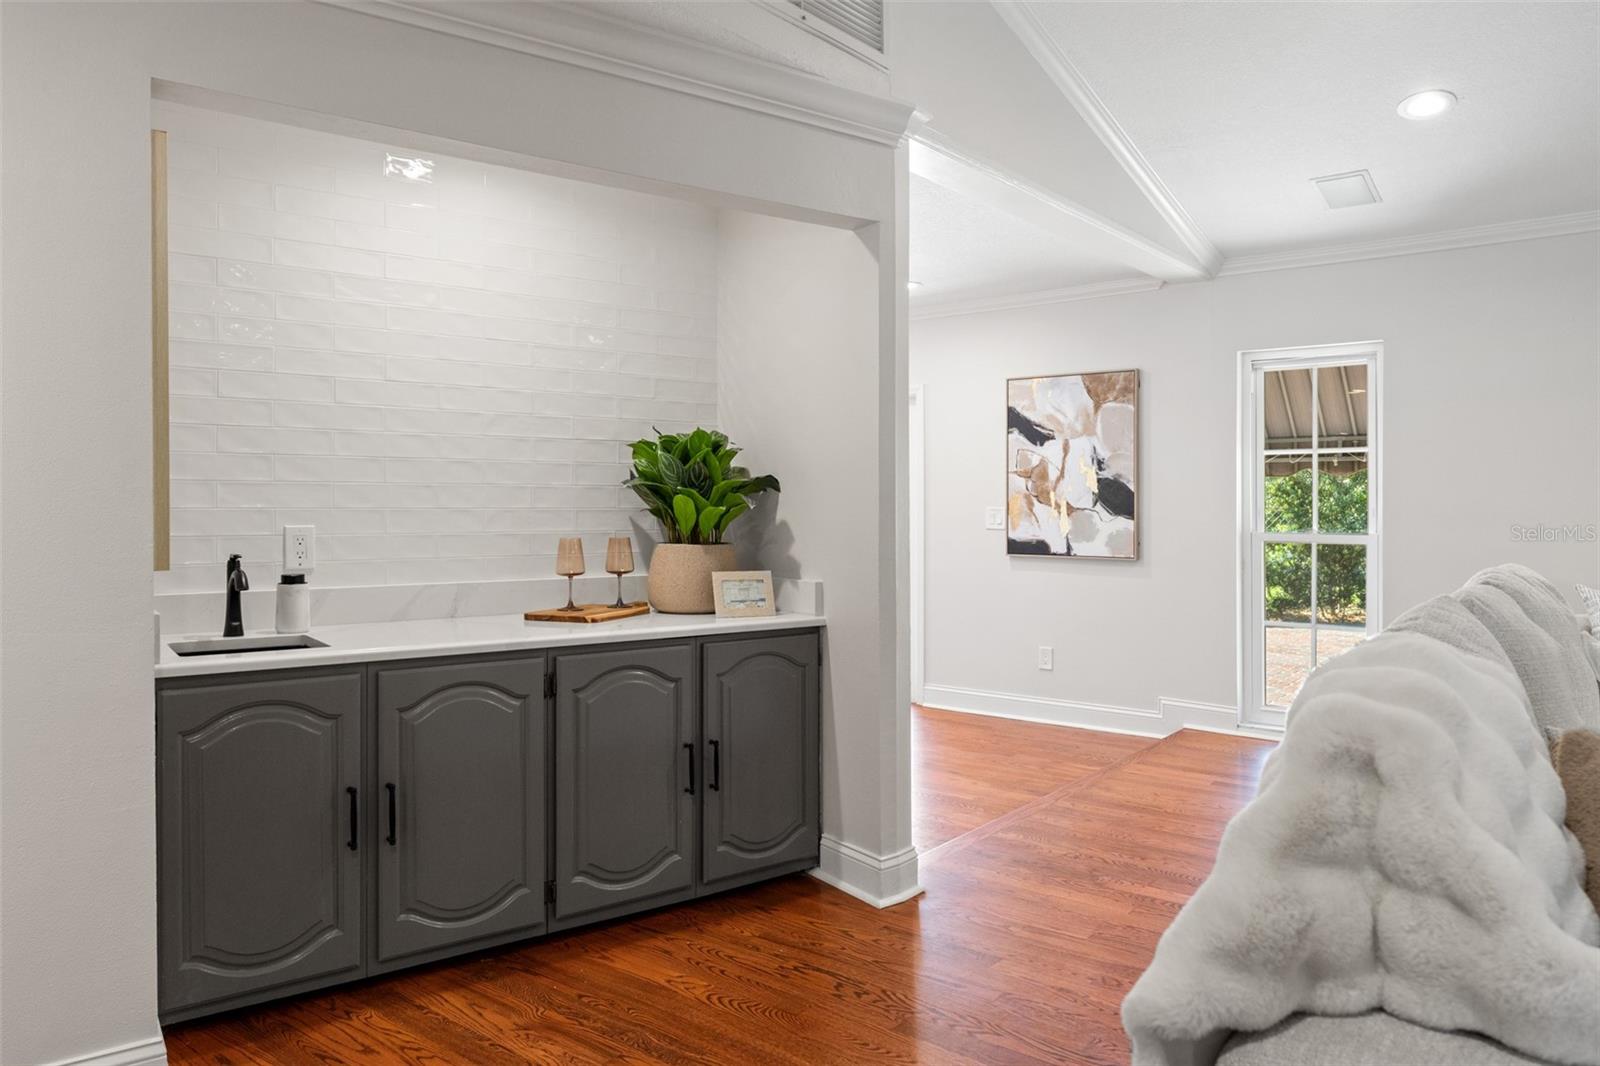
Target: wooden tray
<point x="587" y="612"/>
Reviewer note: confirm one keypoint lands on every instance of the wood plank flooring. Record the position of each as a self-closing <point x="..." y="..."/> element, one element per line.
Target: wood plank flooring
<point x="1044" y="902"/>
<point x="968" y="770"/>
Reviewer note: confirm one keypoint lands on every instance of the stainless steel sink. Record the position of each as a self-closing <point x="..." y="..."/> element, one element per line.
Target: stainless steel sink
<point x="234" y="645"/>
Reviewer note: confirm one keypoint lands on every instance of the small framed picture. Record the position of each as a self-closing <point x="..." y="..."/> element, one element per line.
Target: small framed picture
<point x="743" y="593"/>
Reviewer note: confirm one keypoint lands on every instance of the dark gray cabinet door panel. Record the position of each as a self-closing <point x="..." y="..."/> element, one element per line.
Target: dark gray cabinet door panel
<point x="625" y="776"/>
<point x="462" y="748"/>
<point x="761" y="739"/>
<point x="259" y="883"/>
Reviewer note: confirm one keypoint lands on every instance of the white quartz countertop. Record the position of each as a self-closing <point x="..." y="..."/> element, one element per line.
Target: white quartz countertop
<point x="431" y="637"/>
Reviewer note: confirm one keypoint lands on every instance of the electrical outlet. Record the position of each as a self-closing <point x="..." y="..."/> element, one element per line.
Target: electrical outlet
<point x="299" y="549"/>
<point x="994" y="518"/>
<point x="1047" y="657"/>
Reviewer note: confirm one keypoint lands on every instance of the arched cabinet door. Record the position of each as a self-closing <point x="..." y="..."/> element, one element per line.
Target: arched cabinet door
<point x="625" y="780"/>
<point x="761" y="739"/>
<point x="460" y="804"/>
<point x="259" y="817"/>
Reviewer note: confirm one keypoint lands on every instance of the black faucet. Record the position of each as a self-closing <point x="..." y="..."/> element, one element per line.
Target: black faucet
<point x="233" y="625"/>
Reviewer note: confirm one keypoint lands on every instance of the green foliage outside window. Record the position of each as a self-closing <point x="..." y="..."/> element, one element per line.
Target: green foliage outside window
<point x="1341" y="568"/>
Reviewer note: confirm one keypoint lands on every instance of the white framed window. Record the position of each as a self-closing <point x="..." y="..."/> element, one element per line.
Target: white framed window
<point x="1310" y="518"/>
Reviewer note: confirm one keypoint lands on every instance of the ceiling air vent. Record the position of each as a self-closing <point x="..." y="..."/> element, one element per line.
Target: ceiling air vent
<point x="1348" y="190"/>
<point x="859" y="20"/>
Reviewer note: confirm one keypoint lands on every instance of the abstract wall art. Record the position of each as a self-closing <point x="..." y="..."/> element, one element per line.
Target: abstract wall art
<point x="1072" y="465"/>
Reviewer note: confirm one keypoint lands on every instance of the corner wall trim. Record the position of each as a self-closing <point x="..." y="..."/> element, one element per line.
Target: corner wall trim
<point x="881" y="881"/>
<point x="1448" y="240"/>
<point x="151" y="1052"/>
<point x="567" y="34"/>
<point x="1059" y="69"/>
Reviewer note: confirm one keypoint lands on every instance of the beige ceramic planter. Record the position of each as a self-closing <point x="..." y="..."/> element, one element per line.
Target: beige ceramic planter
<point x="680" y="576"/>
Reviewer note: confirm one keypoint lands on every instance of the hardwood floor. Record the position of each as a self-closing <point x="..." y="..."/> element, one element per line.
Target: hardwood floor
<point x="1044" y="901"/>
<point x="969" y="770"/>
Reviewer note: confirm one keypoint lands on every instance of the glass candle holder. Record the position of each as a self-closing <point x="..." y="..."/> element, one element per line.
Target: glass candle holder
<point x="569" y="564"/>
<point x="619" y="561"/>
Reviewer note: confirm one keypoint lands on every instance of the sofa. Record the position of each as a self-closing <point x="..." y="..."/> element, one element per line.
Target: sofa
<point x="1504" y="667"/>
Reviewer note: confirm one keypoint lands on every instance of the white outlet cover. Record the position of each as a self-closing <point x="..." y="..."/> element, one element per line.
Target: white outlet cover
<point x="296" y="560"/>
<point x="994" y="518"/>
<point x="1047" y="657"/>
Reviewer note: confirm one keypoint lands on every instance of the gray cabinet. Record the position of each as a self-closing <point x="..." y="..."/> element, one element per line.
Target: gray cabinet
<point x="760" y="731"/>
<point x="259" y="864"/>
<point x="625" y="780"/>
<point x="318" y="825"/>
<point x="460" y="839"/>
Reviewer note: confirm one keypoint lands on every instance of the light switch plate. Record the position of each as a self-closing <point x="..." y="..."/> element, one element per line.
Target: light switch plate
<point x="994" y="518"/>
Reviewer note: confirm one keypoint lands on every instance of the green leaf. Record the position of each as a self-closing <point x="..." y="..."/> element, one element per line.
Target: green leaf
<point x="683" y="509"/>
<point x="720" y="491"/>
<point x="671" y="472"/>
<point x="764" y="483"/>
<point x="708" y="523"/>
<point x="700" y="502"/>
<point x="729" y="515"/>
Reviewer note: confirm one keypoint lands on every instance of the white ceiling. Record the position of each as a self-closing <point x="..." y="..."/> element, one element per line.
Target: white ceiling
<point x="964" y="247"/>
<point x="1236" y="106"/>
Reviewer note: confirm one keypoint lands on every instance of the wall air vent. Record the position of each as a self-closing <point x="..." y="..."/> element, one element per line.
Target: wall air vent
<point x="1351" y="189"/>
<point x="859" y="20"/>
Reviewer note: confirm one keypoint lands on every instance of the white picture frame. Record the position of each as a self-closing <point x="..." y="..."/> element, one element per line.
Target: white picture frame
<point x="743" y="593"/>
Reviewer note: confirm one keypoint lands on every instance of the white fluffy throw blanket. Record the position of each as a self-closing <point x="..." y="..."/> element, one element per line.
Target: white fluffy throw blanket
<point x="1406" y="853"/>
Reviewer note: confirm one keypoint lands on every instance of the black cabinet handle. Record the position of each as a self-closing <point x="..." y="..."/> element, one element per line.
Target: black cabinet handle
<point x="690" y="749"/>
<point x="716" y="766"/>
<point x="390" y="787"/>
<point x="355" y="815"/>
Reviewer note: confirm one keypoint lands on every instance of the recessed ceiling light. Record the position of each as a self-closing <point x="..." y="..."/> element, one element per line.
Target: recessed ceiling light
<point x="1429" y="103"/>
<point x="913" y="286"/>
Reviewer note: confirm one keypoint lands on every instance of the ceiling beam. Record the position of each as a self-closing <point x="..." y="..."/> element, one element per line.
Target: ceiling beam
<point x="1059" y="69"/>
<point x="936" y="160"/>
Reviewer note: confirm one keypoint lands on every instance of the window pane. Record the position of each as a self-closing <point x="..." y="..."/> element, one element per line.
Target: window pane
<point x="1288" y="661"/>
<point x="1335" y="640"/>
<point x="1286" y="582"/>
<point x="1342" y="407"/>
<point x="1342" y="492"/>
<point x="1286" y="493"/>
<point x="1286" y="425"/>
<point x="1342" y="584"/>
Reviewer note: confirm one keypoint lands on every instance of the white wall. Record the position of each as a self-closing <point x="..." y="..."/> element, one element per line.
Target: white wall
<point x="76" y="737"/>
<point x="798" y="322"/>
<point x="441" y="377"/>
<point x="1491" y="372"/>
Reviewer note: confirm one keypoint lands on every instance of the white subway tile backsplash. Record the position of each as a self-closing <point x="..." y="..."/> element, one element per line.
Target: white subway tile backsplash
<point x="274" y="441"/>
<point x="441" y="377"/>
<point x="274" y="279"/>
<point x="212" y="411"/>
<point x="333" y="364"/>
<point x="327" y="416"/>
<point x="274" y="386"/>
<point x="326" y="257"/>
<point x="332" y="312"/>
<point x="327" y="205"/>
<point x="275" y="332"/>
<point x="213" y="466"/>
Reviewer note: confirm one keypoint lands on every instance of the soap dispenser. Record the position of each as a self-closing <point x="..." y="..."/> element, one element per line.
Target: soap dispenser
<point x="294" y="604"/>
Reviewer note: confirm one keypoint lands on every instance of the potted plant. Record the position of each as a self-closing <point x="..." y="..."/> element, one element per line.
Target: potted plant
<point x="689" y="483"/>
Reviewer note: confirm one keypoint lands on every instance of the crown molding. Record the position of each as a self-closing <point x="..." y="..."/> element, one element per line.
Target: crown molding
<point x="1059" y="69"/>
<point x="566" y="34"/>
<point x="980" y="304"/>
<point x="1471" y="237"/>
<point x="936" y="159"/>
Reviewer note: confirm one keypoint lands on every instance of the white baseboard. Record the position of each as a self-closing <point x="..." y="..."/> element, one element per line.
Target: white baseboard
<point x="881" y="881"/>
<point x="151" y="1052"/>
<point x="1169" y="715"/>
